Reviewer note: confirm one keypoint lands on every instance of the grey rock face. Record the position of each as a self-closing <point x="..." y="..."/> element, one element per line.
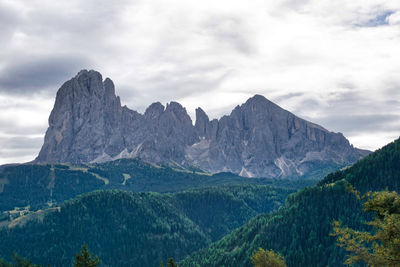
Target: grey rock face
<point x="84" y="122"/>
<point x="258" y="138"/>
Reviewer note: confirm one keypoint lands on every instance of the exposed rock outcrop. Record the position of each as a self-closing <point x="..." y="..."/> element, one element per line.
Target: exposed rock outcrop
<point x="88" y="124"/>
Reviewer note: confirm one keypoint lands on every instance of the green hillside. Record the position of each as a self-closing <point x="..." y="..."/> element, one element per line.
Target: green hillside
<point x="300" y="230"/>
<point x="38" y="186"/>
<point x="137" y="229"/>
<point x="374" y="172"/>
<point x="219" y="210"/>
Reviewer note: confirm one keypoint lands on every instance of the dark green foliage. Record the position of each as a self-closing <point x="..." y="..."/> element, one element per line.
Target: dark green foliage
<point x="139" y="229"/>
<point x="300" y="230"/>
<point x="18" y="262"/>
<point x="374" y="171"/>
<point x="4" y="217"/>
<point x="24" y="184"/>
<point x="3" y="263"/>
<point x="120" y="227"/>
<point x="171" y="263"/>
<point x="219" y="210"/>
<point x="84" y="259"/>
<point x="36" y="185"/>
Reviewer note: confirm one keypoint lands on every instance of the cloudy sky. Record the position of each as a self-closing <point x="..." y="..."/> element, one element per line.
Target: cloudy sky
<point x="336" y="63"/>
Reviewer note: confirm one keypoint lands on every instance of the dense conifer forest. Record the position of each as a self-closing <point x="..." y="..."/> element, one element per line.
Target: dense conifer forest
<point x="300" y="230"/>
<point x="138" y="229"/>
<point x="142" y="229"/>
<point x="39" y="185"/>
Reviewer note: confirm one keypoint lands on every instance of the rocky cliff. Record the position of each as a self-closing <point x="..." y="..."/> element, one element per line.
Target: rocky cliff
<point x="258" y="138"/>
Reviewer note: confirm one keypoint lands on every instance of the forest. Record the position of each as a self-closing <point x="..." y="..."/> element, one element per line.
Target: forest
<point x="300" y="230"/>
<point x="124" y="228"/>
<point x="38" y="185"/>
<point x="221" y="225"/>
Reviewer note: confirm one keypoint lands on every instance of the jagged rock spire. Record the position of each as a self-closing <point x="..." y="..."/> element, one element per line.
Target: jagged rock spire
<point x="258" y="138"/>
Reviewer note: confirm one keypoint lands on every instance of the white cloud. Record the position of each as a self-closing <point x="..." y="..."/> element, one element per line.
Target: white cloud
<point x="321" y="59"/>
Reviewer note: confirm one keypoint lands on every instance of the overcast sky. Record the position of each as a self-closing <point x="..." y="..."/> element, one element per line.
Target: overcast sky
<point x="335" y="63"/>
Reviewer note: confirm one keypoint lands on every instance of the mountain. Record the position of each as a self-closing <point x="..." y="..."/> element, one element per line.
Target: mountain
<point x="140" y="229"/>
<point x="135" y="229"/>
<point x="300" y="230"/>
<point x="40" y="185"/>
<point x="258" y="138"/>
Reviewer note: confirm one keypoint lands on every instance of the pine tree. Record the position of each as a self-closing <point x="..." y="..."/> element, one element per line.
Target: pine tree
<point x="171" y="263"/>
<point x="84" y="259"/>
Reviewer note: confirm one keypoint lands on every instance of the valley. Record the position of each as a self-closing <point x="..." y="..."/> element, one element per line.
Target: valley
<point x="221" y="225"/>
<point x="199" y="133"/>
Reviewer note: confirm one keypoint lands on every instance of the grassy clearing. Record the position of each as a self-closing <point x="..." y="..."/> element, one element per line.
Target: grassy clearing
<point x="37" y="215"/>
<point x="85" y="170"/>
<point x="126" y="178"/>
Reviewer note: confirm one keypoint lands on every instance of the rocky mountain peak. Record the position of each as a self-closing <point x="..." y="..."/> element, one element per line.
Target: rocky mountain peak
<point x="86" y="85"/>
<point x="109" y="87"/>
<point x="258" y="99"/>
<point x="90" y="82"/>
<point x="258" y="138"/>
<point x="175" y="107"/>
<point x="86" y="109"/>
<point x="154" y="110"/>
<point x="201" y="116"/>
<point x="202" y="124"/>
<point x="260" y="104"/>
<point x="178" y="112"/>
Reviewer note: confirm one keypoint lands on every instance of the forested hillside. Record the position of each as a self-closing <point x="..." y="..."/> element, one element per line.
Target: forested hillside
<point x="137" y="229"/>
<point x="219" y="210"/>
<point x="375" y="171"/>
<point x="37" y="185"/>
<point x="300" y="230"/>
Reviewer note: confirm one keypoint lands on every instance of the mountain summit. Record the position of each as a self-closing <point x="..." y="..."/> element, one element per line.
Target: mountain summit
<point x="258" y="138"/>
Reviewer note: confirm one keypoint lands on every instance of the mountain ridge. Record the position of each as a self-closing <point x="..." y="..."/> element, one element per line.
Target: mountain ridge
<point x="300" y="229"/>
<point x="258" y="138"/>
